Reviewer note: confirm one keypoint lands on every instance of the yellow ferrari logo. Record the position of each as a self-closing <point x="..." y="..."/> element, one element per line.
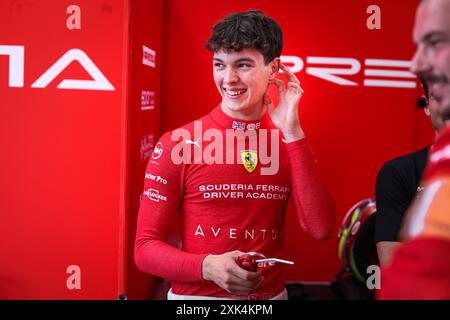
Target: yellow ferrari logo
<point x="249" y="160"/>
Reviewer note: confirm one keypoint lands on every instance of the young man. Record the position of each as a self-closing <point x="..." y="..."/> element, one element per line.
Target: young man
<point x="398" y="183"/>
<point x="217" y="174"/>
<point x="420" y="267"/>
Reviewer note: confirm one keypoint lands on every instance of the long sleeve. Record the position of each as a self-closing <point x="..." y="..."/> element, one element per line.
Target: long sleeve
<point x="315" y="207"/>
<point x="163" y="190"/>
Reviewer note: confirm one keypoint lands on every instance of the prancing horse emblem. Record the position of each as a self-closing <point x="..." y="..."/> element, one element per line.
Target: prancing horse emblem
<point x="249" y="160"/>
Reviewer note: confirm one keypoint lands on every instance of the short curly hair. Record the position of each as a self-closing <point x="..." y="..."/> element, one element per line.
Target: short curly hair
<point x="243" y="30"/>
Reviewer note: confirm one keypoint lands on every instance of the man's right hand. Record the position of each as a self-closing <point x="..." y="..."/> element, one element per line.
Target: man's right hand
<point x="227" y="274"/>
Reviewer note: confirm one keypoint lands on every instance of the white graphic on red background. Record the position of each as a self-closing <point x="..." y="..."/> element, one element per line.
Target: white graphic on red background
<point x="389" y="73"/>
<point x="158" y="151"/>
<point x="244" y="191"/>
<point x="249" y="233"/>
<point x="17" y="64"/>
<point x="154" y="195"/>
<point x="155" y="178"/>
<point x="378" y="72"/>
<point x="148" y="57"/>
<point x="147" y="100"/>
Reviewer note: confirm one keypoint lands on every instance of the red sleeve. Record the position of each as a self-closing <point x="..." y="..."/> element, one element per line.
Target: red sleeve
<point x="315" y="207"/>
<point x="163" y="191"/>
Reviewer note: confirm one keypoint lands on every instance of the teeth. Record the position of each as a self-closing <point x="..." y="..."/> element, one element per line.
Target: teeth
<point x="235" y="92"/>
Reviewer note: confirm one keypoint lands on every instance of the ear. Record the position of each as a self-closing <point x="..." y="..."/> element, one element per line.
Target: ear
<point x="274" y="66"/>
<point x="427" y="111"/>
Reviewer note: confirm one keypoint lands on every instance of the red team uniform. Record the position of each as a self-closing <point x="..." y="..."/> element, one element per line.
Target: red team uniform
<point x="420" y="268"/>
<point x="227" y="205"/>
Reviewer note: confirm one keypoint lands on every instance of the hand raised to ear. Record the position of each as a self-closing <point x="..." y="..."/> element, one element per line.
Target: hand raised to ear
<point x="285" y="115"/>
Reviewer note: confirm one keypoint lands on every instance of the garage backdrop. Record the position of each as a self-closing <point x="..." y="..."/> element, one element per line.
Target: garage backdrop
<point x="87" y="88"/>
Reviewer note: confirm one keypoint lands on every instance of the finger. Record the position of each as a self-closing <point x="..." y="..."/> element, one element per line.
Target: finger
<point x="289" y="74"/>
<point x="238" y="290"/>
<point x="234" y="287"/>
<point x="296" y="88"/>
<point x="258" y="284"/>
<point x="241" y="288"/>
<point x="236" y="253"/>
<point x="280" y="85"/>
<point x="235" y="281"/>
<point x="244" y="289"/>
<point x="235" y="269"/>
<point x="245" y="275"/>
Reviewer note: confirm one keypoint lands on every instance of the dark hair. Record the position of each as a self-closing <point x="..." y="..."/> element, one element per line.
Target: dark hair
<point x="250" y="29"/>
<point x="423" y="102"/>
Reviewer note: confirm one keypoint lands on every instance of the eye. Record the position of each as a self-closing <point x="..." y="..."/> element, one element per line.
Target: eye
<point x="218" y="65"/>
<point x="244" y="65"/>
<point x="435" y="42"/>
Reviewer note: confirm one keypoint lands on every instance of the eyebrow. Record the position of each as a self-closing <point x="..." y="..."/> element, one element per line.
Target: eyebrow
<point x="433" y="33"/>
<point x="245" y="59"/>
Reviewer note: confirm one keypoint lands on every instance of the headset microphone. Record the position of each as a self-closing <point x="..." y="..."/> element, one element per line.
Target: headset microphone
<point x="422" y="102"/>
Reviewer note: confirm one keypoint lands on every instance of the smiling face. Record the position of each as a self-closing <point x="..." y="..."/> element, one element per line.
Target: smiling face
<point x="242" y="79"/>
<point x="432" y="57"/>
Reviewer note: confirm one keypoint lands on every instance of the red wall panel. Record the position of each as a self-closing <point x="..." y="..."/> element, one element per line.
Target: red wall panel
<point x="145" y="105"/>
<point x="62" y="152"/>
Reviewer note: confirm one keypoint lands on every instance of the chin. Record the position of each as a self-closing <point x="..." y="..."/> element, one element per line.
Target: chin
<point x="237" y="107"/>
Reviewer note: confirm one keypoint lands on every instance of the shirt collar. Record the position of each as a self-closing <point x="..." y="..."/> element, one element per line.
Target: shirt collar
<point x="227" y="122"/>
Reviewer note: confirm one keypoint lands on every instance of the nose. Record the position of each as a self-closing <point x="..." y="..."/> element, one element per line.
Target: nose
<point x="420" y="62"/>
<point x="230" y="76"/>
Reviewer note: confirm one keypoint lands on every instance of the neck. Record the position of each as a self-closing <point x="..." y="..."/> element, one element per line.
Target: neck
<point x="253" y="114"/>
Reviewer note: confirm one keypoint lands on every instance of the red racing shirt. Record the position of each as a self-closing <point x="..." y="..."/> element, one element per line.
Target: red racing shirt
<point x="232" y="193"/>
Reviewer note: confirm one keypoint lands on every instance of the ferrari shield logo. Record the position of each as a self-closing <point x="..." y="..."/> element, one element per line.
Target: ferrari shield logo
<point x="249" y="160"/>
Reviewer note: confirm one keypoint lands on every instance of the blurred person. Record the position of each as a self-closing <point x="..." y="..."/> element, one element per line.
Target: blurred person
<point x="420" y="266"/>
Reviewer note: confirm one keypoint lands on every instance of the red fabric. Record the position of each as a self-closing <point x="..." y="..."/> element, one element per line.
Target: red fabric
<point x="420" y="270"/>
<point x="439" y="159"/>
<point x="247" y="214"/>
